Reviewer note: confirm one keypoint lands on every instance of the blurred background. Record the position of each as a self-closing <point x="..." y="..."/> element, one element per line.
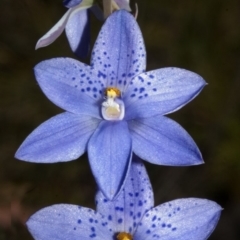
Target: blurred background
<point x="202" y="36"/>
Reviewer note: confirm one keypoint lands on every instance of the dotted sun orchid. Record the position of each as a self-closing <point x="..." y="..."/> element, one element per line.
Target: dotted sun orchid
<point x="76" y="24"/>
<point x="131" y="216"/>
<point x="113" y="108"/>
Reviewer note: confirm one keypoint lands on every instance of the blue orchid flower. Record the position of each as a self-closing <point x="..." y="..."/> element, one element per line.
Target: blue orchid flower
<point x="77" y="25"/>
<point x="113" y="108"/>
<point x="129" y="217"/>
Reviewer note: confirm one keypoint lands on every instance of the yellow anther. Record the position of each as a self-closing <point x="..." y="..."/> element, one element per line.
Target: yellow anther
<point x="112" y="92"/>
<point x="124" y="236"/>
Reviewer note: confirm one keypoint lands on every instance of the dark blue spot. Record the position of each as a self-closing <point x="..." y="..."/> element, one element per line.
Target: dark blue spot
<point x="163" y="225"/>
<point x="174" y="229"/>
<point x="140" y="78"/>
<point x="109" y="217"/>
<point x="93" y="235"/>
<point x="141" y="89"/>
<point x="79" y="221"/>
<point x="120" y="220"/>
<point x="90" y="220"/>
<point x="92" y="229"/>
<point x="88" y="89"/>
<point x="83" y="75"/>
<point x="148" y="231"/>
<point x="100" y="74"/>
<point x="154" y="218"/>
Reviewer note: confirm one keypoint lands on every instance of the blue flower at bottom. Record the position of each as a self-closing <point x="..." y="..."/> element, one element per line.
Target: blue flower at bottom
<point x="129" y="217"/>
<point x="113" y="108"/>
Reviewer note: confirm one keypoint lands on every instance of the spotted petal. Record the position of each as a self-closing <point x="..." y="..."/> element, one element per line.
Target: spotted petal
<point x="60" y="139"/>
<point x="68" y="222"/>
<point x="126" y="211"/>
<point x="78" y="33"/>
<point x="119" y="52"/>
<point x="71" y="85"/>
<point x="161" y="91"/>
<point x="162" y="141"/>
<point x="182" y="219"/>
<point x="109" y="151"/>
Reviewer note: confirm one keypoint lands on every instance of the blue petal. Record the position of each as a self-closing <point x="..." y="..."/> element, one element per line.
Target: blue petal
<point x="78" y="33"/>
<point x="71" y="3"/>
<point x="161" y="91"/>
<point x="65" y="221"/>
<point x="162" y="141"/>
<point x="182" y="219"/>
<point x="119" y="52"/>
<point x="55" y="31"/>
<point x="135" y="199"/>
<point x="71" y="85"/>
<point x="109" y="152"/>
<point x="61" y="138"/>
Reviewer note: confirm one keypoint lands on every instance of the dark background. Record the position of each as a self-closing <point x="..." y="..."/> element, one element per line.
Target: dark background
<point x="202" y="36"/>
